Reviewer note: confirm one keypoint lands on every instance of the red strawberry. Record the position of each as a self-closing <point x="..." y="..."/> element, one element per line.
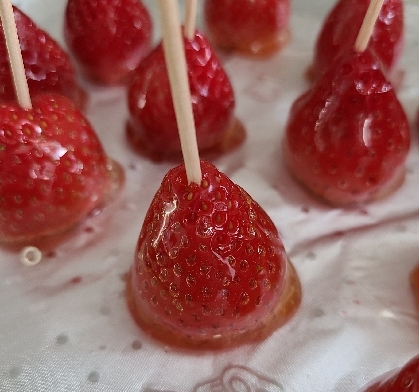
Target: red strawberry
<point x="48" y="68"/>
<point x="152" y="119"/>
<point x="209" y="269"/>
<point x="255" y="27"/>
<point x="347" y="137"/>
<point x="53" y="169"/>
<point x="339" y="32"/>
<point x="108" y="38"/>
<point x="405" y="379"/>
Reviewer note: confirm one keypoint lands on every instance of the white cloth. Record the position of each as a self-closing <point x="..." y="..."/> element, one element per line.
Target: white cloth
<point x="64" y="325"/>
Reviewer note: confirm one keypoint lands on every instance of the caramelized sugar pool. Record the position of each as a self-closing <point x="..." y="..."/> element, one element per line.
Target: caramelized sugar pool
<point x="233" y="137"/>
<point x="287" y="304"/>
<point x="260" y="48"/>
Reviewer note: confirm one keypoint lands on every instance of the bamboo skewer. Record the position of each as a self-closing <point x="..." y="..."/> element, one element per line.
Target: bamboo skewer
<point x="190" y="18"/>
<point x="179" y="84"/>
<point x="15" y="54"/>
<point x="367" y="26"/>
<point x="29" y="255"/>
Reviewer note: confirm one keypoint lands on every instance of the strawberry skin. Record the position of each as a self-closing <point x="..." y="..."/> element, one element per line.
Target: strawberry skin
<point x="209" y="260"/>
<point x="53" y="169"/>
<point x="405" y="380"/>
<point x="152" y="116"/>
<point x="347" y="137"/>
<point x="48" y="68"/>
<point x="341" y="27"/>
<point x="255" y="27"/>
<point x="108" y="38"/>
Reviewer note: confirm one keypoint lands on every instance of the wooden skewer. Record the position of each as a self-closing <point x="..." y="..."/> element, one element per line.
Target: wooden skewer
<point x="179" y="84"/>
<point x="190" y="18"/>
<point x="15" y="54"/>
<point x="367" y="26"/>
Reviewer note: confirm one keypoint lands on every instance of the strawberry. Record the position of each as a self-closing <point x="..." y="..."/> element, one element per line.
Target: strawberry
<point x="405" y="379"/>
<point x="210" y="268"/>
<point x="341" y="27"/>
<point x="108" y="38"/>
<point x="253" y="27"/>
<point x="53" y="169"/>
<point x="347" y="137"/>
<point x="48" y="68"/>
<point x="152" y="118"/>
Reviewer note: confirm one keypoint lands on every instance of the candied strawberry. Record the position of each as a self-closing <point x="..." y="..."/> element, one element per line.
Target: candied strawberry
<point x="405" y="379"/>
<point x="254" y="27"/>
<point x="53" y="169"/>
<point x="152" y="118"/>
<point x="341" y="27"/>
<point x="48" y="68"/>
<point x="108" y="38"/>
<point x="209" y="265"/>
<point x="347" y="137"/>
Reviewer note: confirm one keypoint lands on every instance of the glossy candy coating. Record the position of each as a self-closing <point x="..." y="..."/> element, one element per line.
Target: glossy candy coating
<point x="108" y="38"/>
<point x="341" y="27"/>
<point x="152" y="117"/>
<point x="48" y="68"/>
<point x="209" y="265"/>
<point x="347" y="137"/>
<point x="405" y="379"/>
<point x="53" y="169"/>
<point x="248" y="26"/>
